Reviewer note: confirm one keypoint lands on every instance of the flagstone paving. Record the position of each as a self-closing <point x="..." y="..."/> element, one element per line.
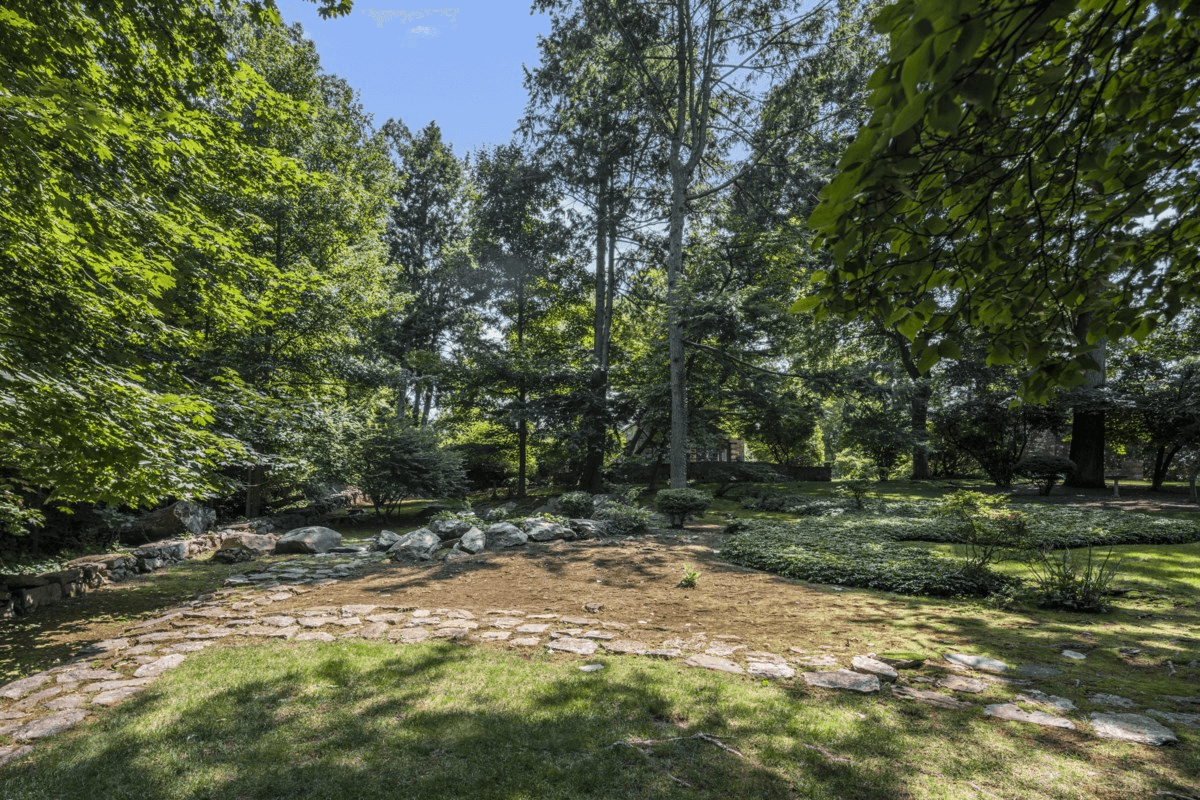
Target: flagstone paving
<point x="113" y="670"/>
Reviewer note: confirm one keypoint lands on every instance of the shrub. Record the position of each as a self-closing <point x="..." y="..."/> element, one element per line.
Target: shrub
<point x="678" y="503"/>
<point x="1045" y="470"/>
<point x="623" y="520"/>
<point x="690" y="576"/>
<point x="577" y="505"/>
<point x="842" y="552"/>
<point x="857" y="489"/>
<point x="395" y="461"/>
<point x="1067" y="583"/>
<point x="986" y="526"/>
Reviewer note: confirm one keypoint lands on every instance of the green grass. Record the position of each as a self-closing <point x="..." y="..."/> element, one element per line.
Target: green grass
<point x="370" y="720"/>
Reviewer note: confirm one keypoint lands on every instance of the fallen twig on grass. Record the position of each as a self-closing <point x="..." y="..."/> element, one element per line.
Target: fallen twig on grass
<point x="680" y="781"/>
<point x="637" y="744"/>
<point x="826" y="753"/>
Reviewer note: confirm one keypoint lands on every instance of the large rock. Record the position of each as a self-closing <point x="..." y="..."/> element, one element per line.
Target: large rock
<point x="588" y="528"/>
<point x="384" y="541"/>
<point x="473" y="541"/>
<point x="261" y="543"/>
<point x="540" y="530"/>
<point x="420" y="545"/>
<point x="505" y="534"/>
<point x="312" y="539"/>
<point x="449" y="528"/>
<point x="174" y="520"/>
<point x="1131" y="728"/>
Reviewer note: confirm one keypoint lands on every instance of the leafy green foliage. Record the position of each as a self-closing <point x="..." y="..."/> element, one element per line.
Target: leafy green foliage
<point x="679" y="503"/>
<point x="1027" y="162"/>
<point x="622" y="518"/>
<point x="987" y="527"/>
<point x="1044" y="470"/>
<point x="841" y="552"/>
<point x="577" y="505"/>
<point x="690" y="576"/>
<point x="395" y="461"/>
<point x="1068" y="582"/>
<point x="857" y="489"/>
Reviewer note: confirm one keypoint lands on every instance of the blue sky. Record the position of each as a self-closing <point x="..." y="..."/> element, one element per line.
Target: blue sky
<point x="458" y="63"/>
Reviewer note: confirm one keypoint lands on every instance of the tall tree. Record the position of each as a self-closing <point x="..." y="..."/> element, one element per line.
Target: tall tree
<point x="520" y="243"/>
<point x="427" y="238"/>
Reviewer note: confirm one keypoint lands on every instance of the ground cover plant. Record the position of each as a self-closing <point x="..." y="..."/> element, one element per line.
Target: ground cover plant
<point x="838" y="551"/>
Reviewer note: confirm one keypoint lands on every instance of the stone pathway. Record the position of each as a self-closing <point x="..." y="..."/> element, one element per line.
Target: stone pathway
<point x="114" y="670"/>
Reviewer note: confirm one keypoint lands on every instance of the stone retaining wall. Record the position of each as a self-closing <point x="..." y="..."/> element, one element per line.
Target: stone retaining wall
<point x="24" y="594"/>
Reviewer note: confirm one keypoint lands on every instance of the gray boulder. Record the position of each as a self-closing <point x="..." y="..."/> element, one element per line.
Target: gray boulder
<point x="587" y="528"/>
<point x="384" y="541"/>
<point x="263" y="544"/>
<point x="473" y="541"/>
<point x="174" y="520"/>
<point x="449" y="528"/>
<point x="420" y="545"/>
<point x="311" y="539"/>
<point x="540" y="530"/>
<point x="505" y="534"/>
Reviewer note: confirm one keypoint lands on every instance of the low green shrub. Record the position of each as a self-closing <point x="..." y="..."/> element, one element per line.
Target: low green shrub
<point x="1068" y="582"/>
<point x="857" y="489"/>
<point x="1044" y="470"/>
<point x="853" y="555"/>
<point x="621" y="519"/>
<point x="576" y="505"/>
<point x="679" y="503"/>
<point x="986" y="526"/>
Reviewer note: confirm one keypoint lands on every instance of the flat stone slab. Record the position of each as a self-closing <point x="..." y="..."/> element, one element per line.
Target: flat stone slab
<point x="724" y="649"/>
<point x="1110" y="700"/>
<point x="76" y="674"/>
<point x="390" y="618"/>
<point x="49" y="726"/>
<point x="13" y="715"/>
<point x="1038" y="671"/>
<point x="357" y="610"/>
<point x="567" y="644"/>
<point x="524" y="641"/>
<point x="626" y="647"/>
<point x="494" y="636"/>
<point x="1013" y="713"/>
<point x="819" y="661"/>
<point x="160" y="666"/>
<point x="75" y="700"/>
<point x="845" y="679"/>
<point x="316" y="622"/>
<point x="769" y="669"/>
<point x="189" y="647"/>
<point x="1191" y="720"/>
<point x="408" y="635"/>
<point x="957" y="683"/>
<point x="1042" y="699"/>
<point x="1131" y="728"/>
<point x="585" y="622"/>
<point x="539" y="628"/>
<point x="108" y="686"/>
<point x="875" y="667"/>
<point x="981" y="663"/>
<point x="717" y="663"/>
<point x="591" y="668"/>
<point x="13" y="752"/>
<point x="1074" y="655"/>
<point x="114" y="696"/>
<point x="930" y="698"/>
<point x="106" y="646"/>
<point x="600" y="636"/>
<point x="1183" y="701"/>
<point x="279" y="621"/>
<point x="315" y="636"/>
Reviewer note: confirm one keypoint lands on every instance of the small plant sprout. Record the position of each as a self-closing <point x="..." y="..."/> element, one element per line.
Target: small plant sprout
<point x="688" y="581"/>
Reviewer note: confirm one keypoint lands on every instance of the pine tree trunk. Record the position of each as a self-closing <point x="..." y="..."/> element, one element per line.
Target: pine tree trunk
<point x="679" y="424"/>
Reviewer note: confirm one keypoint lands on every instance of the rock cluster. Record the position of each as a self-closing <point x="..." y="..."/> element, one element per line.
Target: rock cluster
<point x="463" y="537"/>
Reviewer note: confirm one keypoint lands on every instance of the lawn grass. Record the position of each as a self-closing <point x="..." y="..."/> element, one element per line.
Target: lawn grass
<point x="371" y="720"/>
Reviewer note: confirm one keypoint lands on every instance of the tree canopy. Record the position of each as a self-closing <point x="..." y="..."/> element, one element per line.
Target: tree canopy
<point x="1028" y="170"/>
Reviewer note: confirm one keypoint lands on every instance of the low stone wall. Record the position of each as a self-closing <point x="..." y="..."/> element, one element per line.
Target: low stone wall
<point x="24" y="594"/>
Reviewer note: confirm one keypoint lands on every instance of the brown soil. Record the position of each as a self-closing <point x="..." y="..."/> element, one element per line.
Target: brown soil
<point x="1132" y="498"/>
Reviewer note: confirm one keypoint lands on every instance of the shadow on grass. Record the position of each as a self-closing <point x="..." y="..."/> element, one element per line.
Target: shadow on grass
<point x="365" y="720"/>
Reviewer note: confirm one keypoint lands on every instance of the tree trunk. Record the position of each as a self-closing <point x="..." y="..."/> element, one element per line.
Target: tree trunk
<point x="256" y="489"/>
<point x="679" y="424"/>
<point x="919" y="417"/>
<point x="1087" y="426"/>
<point x="592" y="477"/>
